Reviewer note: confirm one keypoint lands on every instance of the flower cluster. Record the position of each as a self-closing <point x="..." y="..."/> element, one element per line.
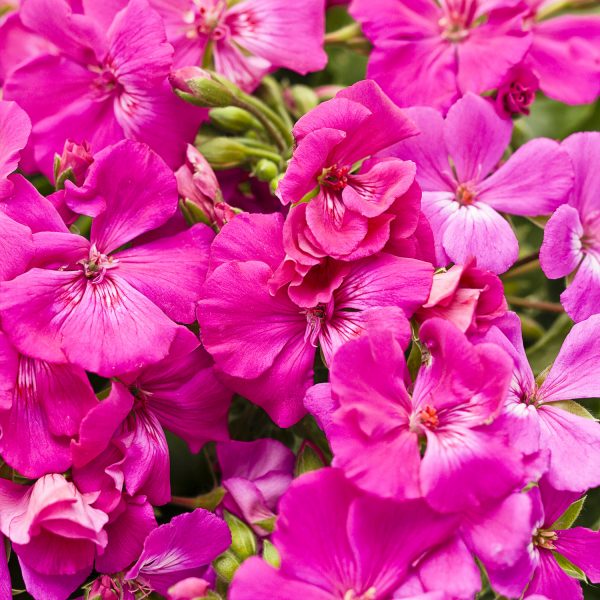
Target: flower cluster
<point x="309" y="284"/>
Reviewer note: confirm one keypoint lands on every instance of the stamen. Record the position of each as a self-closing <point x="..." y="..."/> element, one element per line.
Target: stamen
<point x="428" y="417"/>
<point x="545" y="539"/>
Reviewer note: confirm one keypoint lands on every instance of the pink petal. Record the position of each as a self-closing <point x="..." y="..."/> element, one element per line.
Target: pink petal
<point x="15" y="127"/>
<point x="16" y="247"/>
<point x="249" y="237"/>
<point x="561" y="249"/>
<point x="5" y="585"/>
<point x="572" y="440"/>
<point x="476" y="137"/>
<point x="479" y="232"/>
<point x="581" y="298"/>
<point x="244" y="71"/>
<point x="584" y="150"/>
<point x="243" y="327"/>
<point x="549" y="580"/>
<point x="268" y="35"/>
<point x="407" y="86"/>
<point x="51" y="587"/>
<point x="518" y="189"/>
<point x="582" y="547"/>
<point x="576" y="371"/>
<point x="170" y="272"/>
<point x="172" y="550"/>
<point x="126" y="206"/>
<point x="561" y="54"/>
<point x="107" y="328"/>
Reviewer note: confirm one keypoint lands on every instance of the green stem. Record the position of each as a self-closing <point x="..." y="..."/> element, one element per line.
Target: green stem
<point x="551" y="307"/>
<point x="522" y="269"/>
<point x="344" y="34"/>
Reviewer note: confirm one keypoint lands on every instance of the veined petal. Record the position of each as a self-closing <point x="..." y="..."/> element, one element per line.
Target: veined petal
<point x="582" y="297"/>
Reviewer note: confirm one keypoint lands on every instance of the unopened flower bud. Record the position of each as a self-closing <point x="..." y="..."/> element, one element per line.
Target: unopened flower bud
<point x="188" y="589"/>
<point x="233" y="119"/>
<point x="271" y="555"/>
<point x="517" y="92"/>
<point x="196" y="86"/>
<point x="73" y="164"/>
<point x="104" y="588"/>
<point x="265" y="170"/>
<point x="224" y="153"/>
<point x="226" y="565"/>
<point x="243" y="540"/>
<point x="308" y="459"/>
<point x="301" y="99"/>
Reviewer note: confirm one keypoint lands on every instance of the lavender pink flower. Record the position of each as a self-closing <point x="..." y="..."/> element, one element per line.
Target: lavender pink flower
<point x="465" y="188"/>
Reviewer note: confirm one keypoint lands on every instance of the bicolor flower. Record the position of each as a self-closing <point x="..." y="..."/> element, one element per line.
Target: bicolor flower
<point x="572" y="235"/>
<point x="464" y="190"/>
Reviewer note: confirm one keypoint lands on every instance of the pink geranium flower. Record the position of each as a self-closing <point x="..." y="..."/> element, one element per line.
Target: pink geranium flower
<point x="248" y="39"/>
<point x="338" y="542"/>
<point x="338" y="210"/>
<point x="266" y="342"/>
<point x="572" y="235"/>
<point x="108" y="80"/>
<point x="55" y="533"/>
<point x="534" y="420"/>
<point x="430" y="54"/>
<point x="117" y="306"/>
<point x="464" y="190"/>
<point x="436" y="442"/>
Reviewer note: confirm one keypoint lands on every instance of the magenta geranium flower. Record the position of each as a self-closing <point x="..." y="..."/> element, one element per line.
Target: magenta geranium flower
<point x="266" y="342"/>
<point x="255" y="475"/>
<point x="436" y="442"/>
<point x="338" y="542"/>
<point x="572" y="235"/>
<point x="106" y="82"/>
<point x="248" y="39"/>
<point x="55" y="533"/>
<point x="464" y="190"/>
<point x="534" y="420"/>
<point x="91" y="303"/>
<point x="565" y="53"/>
<point x="430" y="54"/>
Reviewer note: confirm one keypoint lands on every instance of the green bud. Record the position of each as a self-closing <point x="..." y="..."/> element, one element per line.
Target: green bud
<point x="266" y="170"/>
<point x="267" y="525"/>
<point x="270" y="554"/>
<point x="243" y="540"/>
<point x="304" y="99"/>
<point x="274" y="183"/>
<point x="308" y="460"/>
<point x="224" y="153"/>
<point x="233" y="119"/>
<point x="226" y="565"/>
<point x="198" y="87"/>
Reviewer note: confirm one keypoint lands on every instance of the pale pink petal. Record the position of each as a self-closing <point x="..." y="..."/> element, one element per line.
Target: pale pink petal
<point x="581" y="299"/>
<point x="584" y="150"/>
<point x="518" y="189"/>
<point x="479" y="232"/>
<point x="561" y="249"/>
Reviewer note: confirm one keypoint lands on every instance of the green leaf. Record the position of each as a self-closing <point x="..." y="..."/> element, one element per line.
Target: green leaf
<point x="566" y="520"/>
<point x="266" y="524"/>
<point x="569" y="568"/>
<point x="574" y="408"/>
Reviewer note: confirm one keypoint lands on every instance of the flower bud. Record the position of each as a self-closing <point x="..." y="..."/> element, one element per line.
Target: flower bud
<point x="73" y="164"/>
<point x="224" y="153"/>
<point x="308" y="459"/>
<point x="271" y="555"/>
<point x="232" y="119"/>
<point x="189" y="589"/>
<point x="517" y="92"/>
<point x="226" y="565"/>
<point x="243" y="541"/>
<point x="196" y="86"/>
<point x="104" y="588"/>
<point x="301" y="99"/>
<point x="265" y="170"/>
